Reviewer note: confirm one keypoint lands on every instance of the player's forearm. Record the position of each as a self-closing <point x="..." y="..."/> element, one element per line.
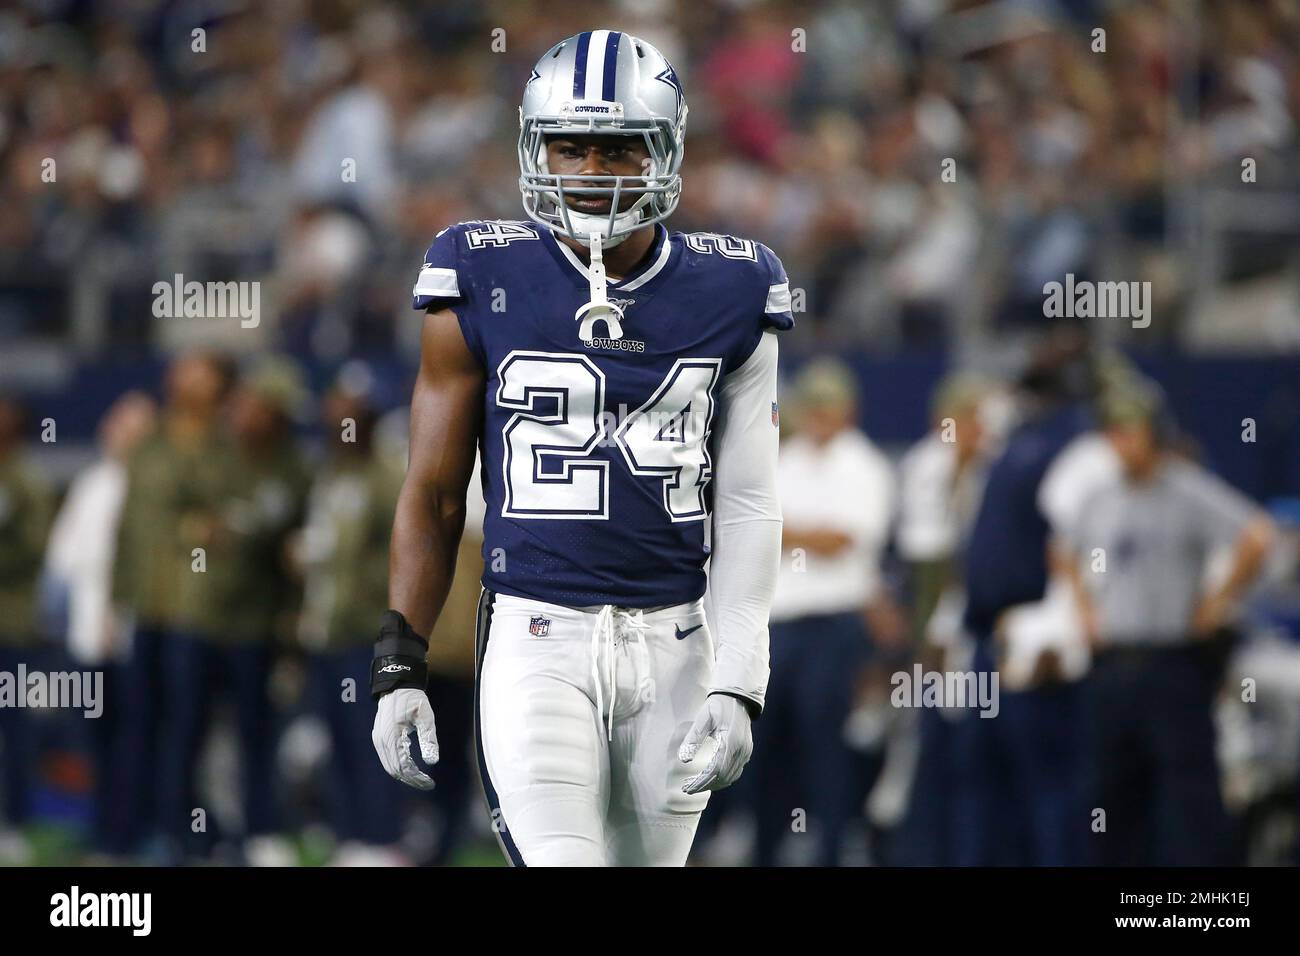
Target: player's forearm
<point x="430" y="513"/>
<point x="422" y="554"/>
<point x="746" y="538"/>
<point x="746" y="556"/>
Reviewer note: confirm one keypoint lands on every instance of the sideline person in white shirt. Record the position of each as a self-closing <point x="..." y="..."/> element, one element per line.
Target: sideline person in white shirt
<point x="837" y="498"/>
<point x="79" y="565"/>
<point x="79" y="554"/>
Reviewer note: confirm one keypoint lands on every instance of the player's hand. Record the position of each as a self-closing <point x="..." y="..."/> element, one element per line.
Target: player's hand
<point x="726" y="720"/>
<point x="401" y="711"/>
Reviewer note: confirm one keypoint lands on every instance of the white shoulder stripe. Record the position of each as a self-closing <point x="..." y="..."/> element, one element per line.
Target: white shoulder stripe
<point x="439" y="282"/>
<point x="778" y="298"/>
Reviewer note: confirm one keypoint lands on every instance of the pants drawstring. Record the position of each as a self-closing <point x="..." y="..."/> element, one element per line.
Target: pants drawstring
<point x="603" y="635"/>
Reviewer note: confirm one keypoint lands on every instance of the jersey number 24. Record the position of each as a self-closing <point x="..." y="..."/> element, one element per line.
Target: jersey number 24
<point x="558" y="399"/>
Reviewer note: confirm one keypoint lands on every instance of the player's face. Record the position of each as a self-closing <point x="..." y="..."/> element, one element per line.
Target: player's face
<point x="598" y="156"/>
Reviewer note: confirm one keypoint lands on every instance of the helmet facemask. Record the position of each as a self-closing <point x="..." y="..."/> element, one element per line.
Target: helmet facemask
<point x="545" y="193"/>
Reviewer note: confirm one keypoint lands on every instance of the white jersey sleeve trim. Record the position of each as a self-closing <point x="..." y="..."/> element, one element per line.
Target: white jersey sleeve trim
<point x="778" y="298"/>
<point x="437" y="282"/>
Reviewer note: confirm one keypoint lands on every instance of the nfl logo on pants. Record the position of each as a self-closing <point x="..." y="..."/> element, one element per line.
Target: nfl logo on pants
<point x="539" y="626"/>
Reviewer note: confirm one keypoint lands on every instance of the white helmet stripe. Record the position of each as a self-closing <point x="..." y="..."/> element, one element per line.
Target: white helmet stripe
<point x="596" y="64"/>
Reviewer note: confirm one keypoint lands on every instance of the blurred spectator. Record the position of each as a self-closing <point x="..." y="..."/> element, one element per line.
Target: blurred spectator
<point x="175" y="483"/>
<point x="1005" y="565"/>
<point x="348" y="150"/>
<point x="84" y="534"/>
<point x="837" y="498"/>
<point x="25" y="511"/>
<point x="342" y="554"/>
<point x="1059" y="159"/>
<point x="79" y="557"/>
<point x="226" y="650"/>
<point x="1043" y="658"/>
<point x="940" y="479"/>
<point x="1140" y="549"/>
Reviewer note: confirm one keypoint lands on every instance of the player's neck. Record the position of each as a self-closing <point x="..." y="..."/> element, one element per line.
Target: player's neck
<point x="623" y="258"/>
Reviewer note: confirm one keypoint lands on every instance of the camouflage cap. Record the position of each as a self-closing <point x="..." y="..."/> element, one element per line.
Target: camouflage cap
<point x="280" y="382"/>
<point x="825" y="381"/>
<point x="1131" y="403"/>
<point x="959" y="393"/>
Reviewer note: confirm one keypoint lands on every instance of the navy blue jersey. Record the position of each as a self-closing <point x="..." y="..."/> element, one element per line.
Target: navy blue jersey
<point x="596" y="456"/>
<point x="1006" y="555"/>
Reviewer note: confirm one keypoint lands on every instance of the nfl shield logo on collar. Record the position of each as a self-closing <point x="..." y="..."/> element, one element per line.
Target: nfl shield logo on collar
<point x="539" y="626"/>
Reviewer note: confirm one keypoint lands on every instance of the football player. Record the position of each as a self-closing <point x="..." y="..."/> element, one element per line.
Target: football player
<point x="619" y="383"/>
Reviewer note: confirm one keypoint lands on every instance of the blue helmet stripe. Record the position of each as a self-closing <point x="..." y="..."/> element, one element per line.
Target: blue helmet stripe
<point x="611" y="65"/>
<point x="580" y="66"/>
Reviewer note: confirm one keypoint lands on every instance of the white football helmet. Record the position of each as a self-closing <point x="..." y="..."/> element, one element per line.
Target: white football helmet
<point x="602" y="82"/>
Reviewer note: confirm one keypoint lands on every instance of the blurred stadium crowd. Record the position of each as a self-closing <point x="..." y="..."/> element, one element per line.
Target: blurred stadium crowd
<point x="943" y="477"/>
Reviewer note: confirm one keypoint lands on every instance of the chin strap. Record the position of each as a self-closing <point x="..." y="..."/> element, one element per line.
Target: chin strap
<point x="599" y="307"/>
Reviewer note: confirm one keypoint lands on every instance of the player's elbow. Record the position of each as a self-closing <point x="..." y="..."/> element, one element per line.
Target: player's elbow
<point x="428" y="504"/>
<point x="447" y="508"/>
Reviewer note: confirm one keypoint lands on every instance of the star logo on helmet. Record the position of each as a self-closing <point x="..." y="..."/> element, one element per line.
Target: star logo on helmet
<point x="669" y="76"/>
<point x="535" y="76"/>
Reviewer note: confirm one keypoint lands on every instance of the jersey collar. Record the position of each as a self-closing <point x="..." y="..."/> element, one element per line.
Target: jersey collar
<point x="661" y="252"/>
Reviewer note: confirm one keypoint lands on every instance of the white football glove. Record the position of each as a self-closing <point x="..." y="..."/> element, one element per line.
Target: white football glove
<point x="726" y="720"/>
<point x="401" y="711"/>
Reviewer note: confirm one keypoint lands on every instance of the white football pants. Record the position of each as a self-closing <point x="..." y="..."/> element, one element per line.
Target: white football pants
<point x="579" y="714"/>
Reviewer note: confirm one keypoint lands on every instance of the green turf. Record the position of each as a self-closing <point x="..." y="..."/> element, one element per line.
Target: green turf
<point x="55" y="844"/>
